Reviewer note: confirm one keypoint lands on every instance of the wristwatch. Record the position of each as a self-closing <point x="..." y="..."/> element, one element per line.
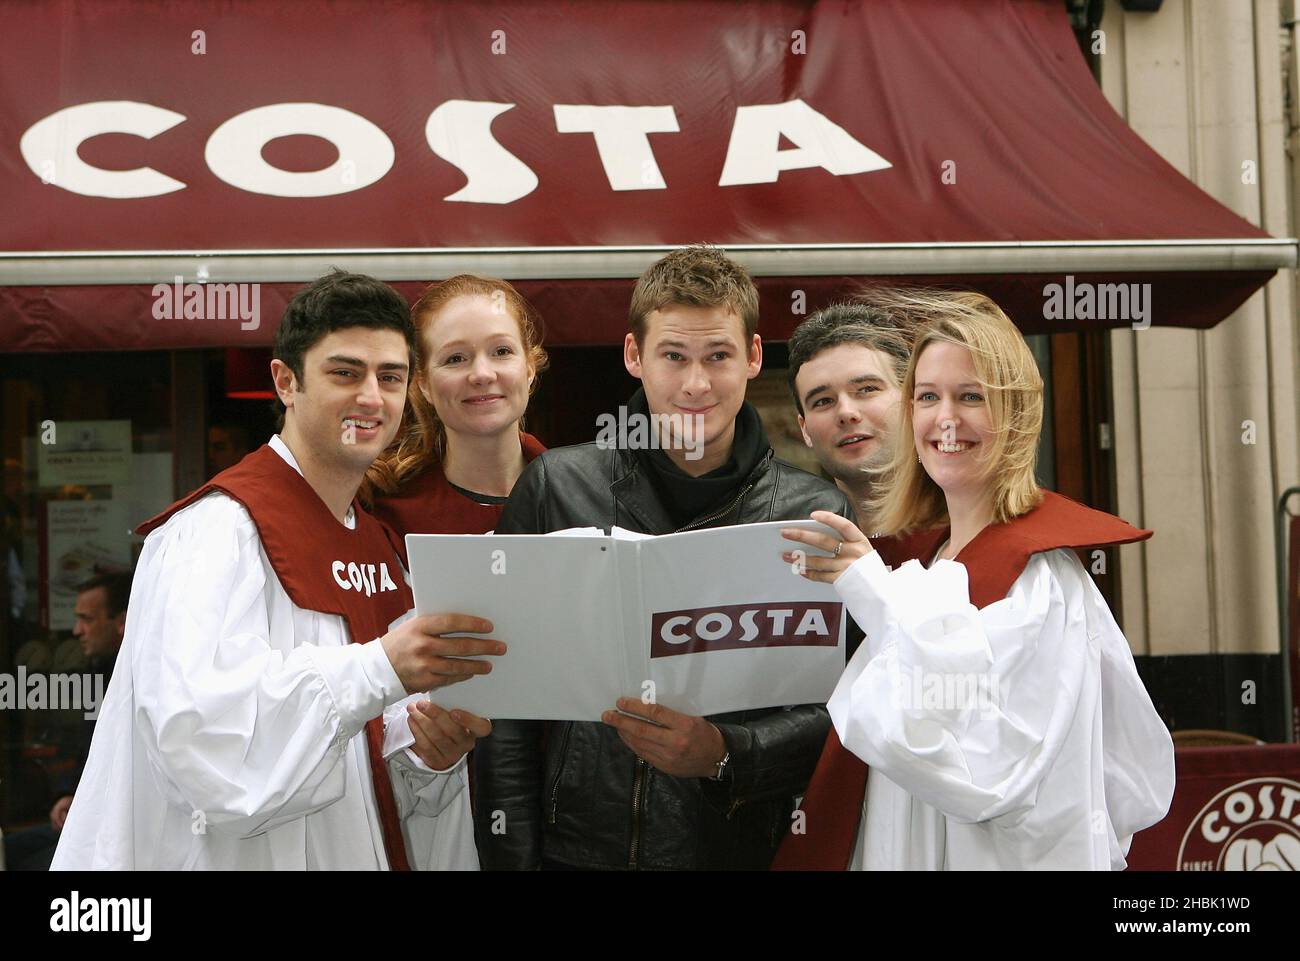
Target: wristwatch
<point x="721" y="773"/>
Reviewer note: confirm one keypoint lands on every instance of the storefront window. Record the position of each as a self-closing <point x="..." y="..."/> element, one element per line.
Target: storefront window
<point x="87" y="451"/>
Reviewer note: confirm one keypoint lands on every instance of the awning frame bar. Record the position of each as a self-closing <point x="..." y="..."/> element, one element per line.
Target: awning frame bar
<point x="38" y="268"/>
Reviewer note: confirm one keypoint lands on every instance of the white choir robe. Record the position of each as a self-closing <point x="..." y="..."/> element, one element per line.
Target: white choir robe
<point x="232" y="733"/>
<point x="1056" y="767"/>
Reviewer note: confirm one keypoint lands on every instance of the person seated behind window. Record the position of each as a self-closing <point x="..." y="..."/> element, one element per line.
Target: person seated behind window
<point x="100" y="614"/>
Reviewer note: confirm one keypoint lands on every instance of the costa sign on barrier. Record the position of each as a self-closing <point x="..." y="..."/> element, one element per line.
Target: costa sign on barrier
<point x="1253" y="825"/>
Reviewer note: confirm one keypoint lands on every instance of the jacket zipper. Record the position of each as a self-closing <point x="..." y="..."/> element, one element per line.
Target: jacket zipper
<point x="637" y="781"/>
<point x="559" y="772"/>
<point x="716" y="514"/>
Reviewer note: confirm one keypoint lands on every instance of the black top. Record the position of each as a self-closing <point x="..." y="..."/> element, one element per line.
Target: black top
<point x="687" y="497"/>
<point x="478" y="498"/>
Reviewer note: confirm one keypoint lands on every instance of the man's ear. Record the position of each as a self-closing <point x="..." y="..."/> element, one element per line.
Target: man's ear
<point x="286" y="384"/>
<point x="119" y="625"/>
<point x="755" y="357"/>
<point x="632" y="355"/>
<point x="806" y="439"/>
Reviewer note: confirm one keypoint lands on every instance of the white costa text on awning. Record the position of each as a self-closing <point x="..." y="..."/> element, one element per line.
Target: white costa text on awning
<point x="458" y="131"/>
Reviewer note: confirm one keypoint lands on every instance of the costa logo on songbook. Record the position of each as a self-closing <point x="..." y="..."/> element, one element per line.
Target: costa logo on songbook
<point x="1253" y="825"/>
<point x="735" y="626"/>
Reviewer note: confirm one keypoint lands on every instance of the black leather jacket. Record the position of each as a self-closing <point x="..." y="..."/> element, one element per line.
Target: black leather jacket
<point x="572" y="793"/>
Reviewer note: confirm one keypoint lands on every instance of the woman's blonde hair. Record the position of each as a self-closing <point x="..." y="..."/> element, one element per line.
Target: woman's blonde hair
<point x="907" y="499"/>
<point x="422" y="438"/>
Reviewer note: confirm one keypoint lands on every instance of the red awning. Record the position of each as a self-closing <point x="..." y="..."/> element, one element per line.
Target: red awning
<point x="565" y="147"/>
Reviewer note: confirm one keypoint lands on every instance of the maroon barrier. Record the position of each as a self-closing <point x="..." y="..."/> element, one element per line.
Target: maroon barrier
<point x="1234" y="808"/>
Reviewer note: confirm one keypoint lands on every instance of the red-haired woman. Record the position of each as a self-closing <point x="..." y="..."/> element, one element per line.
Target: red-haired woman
<point x="462" y="447"/>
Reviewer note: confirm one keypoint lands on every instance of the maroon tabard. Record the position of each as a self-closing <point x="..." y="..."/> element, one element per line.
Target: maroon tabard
<point x="323" y="567"/>
<point x="994" y="560"/>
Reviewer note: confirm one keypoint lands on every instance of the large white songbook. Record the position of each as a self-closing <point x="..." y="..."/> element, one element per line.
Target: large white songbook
<point x="703" y="622"/>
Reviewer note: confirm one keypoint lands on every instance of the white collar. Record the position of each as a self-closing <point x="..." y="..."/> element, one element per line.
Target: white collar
<point x="281" y="448"/>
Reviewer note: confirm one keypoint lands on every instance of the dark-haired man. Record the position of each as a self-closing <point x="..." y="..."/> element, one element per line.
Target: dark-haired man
<point x="260" y="719"/>
<point x="100" y="616"/>
<point x="846" y="365"/>
<point x="662" y="790"/>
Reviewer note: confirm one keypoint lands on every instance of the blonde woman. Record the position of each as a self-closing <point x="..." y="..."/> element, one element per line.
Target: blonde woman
<point x="462" y="446"/>
<point x="994" y="698"/>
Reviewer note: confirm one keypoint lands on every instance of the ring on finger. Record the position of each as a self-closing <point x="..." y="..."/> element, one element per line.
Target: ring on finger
<point x="838" y="547"/>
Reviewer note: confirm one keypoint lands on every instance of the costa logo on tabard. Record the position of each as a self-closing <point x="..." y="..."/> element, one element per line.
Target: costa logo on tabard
<point x="735" y="626"/>
<point x="1252" y="826"/>
<point x="362" y="577"/>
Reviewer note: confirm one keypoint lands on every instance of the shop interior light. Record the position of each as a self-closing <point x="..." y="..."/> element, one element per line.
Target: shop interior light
<point x="248" y="374"/>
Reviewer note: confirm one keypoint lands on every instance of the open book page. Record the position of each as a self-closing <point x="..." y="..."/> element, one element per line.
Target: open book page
<point x="552" y="600"/>
<point x="729" y="625"/>
<point x="623" y="534"/>
<point x="702" y="622"/>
